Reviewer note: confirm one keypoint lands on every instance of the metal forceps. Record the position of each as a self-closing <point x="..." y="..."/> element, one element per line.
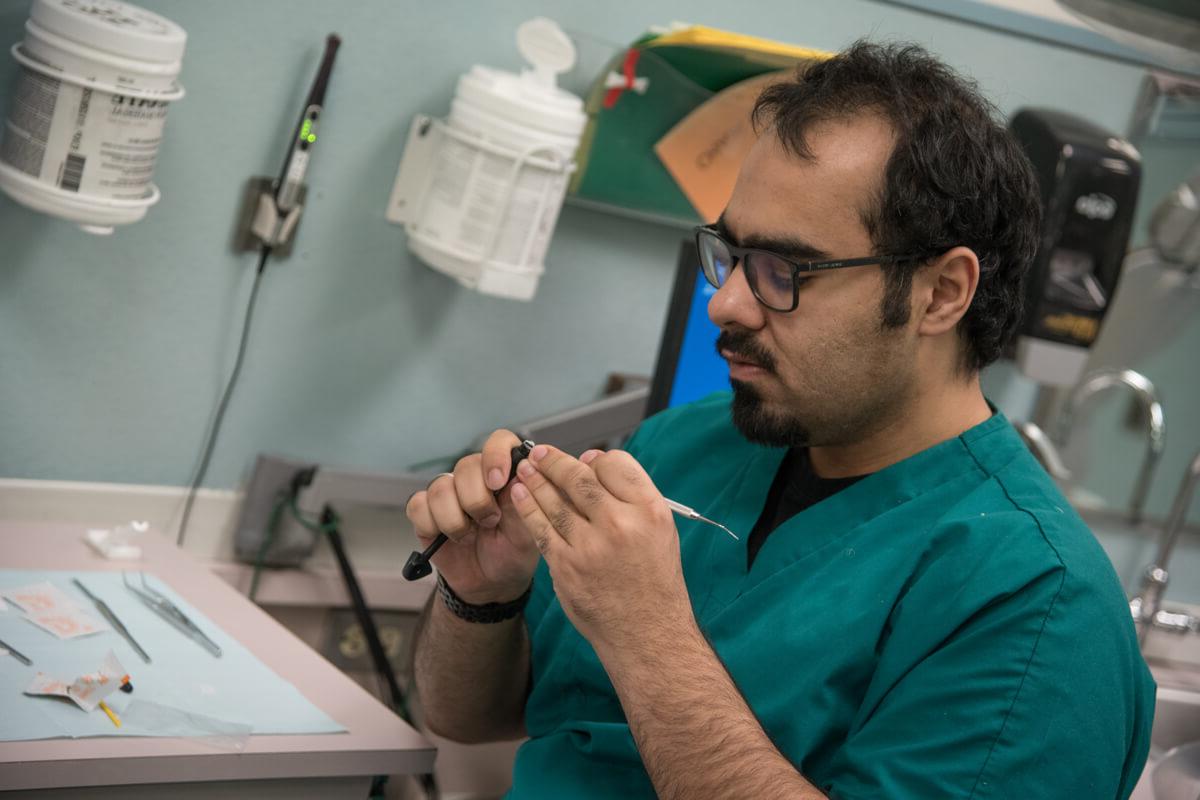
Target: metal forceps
<point x="161" y="605"/>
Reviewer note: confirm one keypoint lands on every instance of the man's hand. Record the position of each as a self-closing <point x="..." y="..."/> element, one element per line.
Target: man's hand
<point x="613" y="551"/>
<point x="610" y="542"/>
<point x="490" y="556"/>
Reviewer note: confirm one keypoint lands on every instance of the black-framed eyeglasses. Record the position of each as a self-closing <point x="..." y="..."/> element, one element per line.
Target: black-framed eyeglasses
<point x="774" y="279"/>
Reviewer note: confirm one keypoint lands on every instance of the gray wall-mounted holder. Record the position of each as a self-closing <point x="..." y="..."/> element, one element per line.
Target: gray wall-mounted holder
<point x="259" y="221"/>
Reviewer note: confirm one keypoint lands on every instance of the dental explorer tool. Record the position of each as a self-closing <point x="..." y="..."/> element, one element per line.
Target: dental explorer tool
<point x="691" y="513"/>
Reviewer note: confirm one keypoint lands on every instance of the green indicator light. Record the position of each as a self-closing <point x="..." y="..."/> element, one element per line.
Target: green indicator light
<point x="312" y="137"/>
<point x="305" y="128"/>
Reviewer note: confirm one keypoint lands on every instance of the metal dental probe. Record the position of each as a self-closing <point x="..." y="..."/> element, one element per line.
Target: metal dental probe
<point x="691" y="513"/>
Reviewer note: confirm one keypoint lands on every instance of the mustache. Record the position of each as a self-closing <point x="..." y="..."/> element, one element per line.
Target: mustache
<point x="745" y="348"/>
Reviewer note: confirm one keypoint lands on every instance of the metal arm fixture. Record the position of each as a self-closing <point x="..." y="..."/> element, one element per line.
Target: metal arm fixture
<point x="1098" y="382"/>
<point x="1146" y="606"/>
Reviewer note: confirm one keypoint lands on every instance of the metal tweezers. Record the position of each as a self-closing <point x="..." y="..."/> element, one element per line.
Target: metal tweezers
<point x="161" y="605"/>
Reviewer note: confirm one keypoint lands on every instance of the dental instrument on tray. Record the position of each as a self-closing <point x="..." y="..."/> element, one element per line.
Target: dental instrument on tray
<point x="118" y="626"/>
<point x="161" y="605"/>
<point x="18" y="655"/>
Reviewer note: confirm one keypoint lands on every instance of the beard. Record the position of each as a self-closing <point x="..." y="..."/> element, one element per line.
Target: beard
<point x="848" y="411"/>
<point x="758" y="425"/>
<point x="750" y="415"/>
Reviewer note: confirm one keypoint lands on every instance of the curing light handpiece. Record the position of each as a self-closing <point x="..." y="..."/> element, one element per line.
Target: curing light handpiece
<point x="295" y="166"/>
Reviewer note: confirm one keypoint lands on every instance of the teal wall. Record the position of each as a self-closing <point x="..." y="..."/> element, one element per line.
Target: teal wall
<point x="112" y="350"/>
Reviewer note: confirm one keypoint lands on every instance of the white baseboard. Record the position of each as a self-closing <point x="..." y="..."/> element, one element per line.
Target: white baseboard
<point x="378" y="538"/>
<point x="104" y="505"/>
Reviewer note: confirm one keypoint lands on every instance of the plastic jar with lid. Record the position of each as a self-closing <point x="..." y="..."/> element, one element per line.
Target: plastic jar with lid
<point x="85" y="123"/>
<point x="501" y="170"/>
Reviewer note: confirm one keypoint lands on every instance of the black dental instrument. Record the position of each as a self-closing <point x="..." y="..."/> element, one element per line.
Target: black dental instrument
<point x="418" y="565"/>
<point x="118" y="626"/>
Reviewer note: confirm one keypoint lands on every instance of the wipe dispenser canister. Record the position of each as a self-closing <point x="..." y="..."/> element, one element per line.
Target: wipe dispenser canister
<point x="480" y="192"/>
<point x="84" y="124"/>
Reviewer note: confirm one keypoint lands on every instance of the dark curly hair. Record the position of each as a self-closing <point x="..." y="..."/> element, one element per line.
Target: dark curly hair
<point x="956" y="176"/>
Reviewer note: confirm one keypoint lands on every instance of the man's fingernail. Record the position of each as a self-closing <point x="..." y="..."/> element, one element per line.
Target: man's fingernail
<point x="495" y="479"/>
<point x="589" y="456"/>
<point x="538" y="453"/>
<point x="491" y="521"/>
<point x="519" y="492"/>
<point x="525" y="469"/>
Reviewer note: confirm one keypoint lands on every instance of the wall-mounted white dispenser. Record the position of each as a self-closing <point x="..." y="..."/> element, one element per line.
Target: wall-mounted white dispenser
<point x="479" y="193"/>
<point x="86" y="119"/>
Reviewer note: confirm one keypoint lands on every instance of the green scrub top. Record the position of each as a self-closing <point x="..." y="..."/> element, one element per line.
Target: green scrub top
<point x="946" y="627"/>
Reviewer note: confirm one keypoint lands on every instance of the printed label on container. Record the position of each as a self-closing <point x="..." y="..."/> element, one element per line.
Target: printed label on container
<point x="466" y="204"/>
<point x="83" y="140"/>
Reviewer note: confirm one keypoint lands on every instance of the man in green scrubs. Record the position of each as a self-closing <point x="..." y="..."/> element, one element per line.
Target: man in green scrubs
<point x="912" y="611"/>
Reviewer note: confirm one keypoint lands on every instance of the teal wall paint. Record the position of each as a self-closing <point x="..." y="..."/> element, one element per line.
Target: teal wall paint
<point x="112" y="351"/>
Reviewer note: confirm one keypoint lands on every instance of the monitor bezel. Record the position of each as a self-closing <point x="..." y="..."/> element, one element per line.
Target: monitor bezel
<point x="687" y="272"/>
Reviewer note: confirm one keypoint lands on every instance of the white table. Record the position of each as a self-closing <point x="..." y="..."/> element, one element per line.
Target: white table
<point x="327" y="766"/>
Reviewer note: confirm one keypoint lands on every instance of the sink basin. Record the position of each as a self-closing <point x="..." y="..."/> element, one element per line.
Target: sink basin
<point x="1177" y="775"/>
<point x="1174" y="659"/>
<point x="1174" y="744"/>
<point x="1176" y="720"/>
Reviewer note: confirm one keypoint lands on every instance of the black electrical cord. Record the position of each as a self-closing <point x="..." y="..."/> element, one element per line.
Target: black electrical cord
<point x="329" y="525"/>
<point x="210" y="444"/>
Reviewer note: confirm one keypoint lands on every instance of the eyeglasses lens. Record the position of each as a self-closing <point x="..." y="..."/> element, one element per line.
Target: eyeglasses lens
<point x="770" y="278"/>
<point x="714" y="258"/>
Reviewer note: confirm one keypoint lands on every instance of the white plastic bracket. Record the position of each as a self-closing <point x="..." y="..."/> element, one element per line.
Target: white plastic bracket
<point x="416" y="170"/>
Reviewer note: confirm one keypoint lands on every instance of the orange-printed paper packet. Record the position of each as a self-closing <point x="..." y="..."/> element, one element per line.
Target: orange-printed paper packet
<point x="87" y="690"/>
<point x="51" y="609"/>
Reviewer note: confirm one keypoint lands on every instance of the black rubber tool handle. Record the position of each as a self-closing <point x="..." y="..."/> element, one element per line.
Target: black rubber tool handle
<point x="418" y="565"/>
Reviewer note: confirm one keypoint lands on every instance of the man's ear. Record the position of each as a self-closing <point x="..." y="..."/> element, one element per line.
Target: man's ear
<point x="949" y="285"/>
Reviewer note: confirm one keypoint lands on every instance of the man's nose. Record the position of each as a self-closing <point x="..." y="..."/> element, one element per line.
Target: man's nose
<point x="735" y="304"/>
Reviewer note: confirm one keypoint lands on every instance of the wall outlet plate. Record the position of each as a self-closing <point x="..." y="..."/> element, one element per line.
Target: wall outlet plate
<point x="346" y="645"/>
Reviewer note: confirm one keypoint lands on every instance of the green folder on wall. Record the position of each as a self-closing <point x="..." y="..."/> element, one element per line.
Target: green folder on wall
<point x="643" y="92"/>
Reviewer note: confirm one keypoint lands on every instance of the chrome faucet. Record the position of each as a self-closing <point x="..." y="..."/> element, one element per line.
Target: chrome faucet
<point x="1098" y="382"/>
<point x="1146" y="606"/>
<point x="1044" y="450"/>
